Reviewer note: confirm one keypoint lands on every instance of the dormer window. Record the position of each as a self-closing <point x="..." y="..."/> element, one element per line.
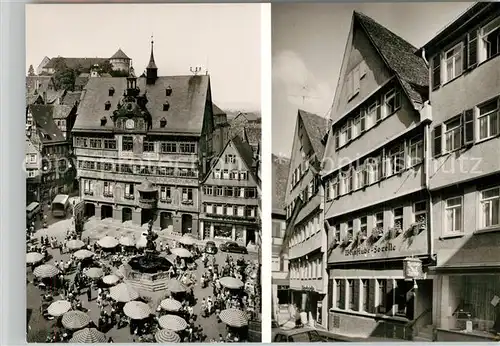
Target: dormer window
<point x="168" y="91"/>
<point x="166" y="106"/>
<point x="163" y="122"/>
<point x="104" y="120"/>
<point x="111" y="91"/>
<point x="107" y="106"/>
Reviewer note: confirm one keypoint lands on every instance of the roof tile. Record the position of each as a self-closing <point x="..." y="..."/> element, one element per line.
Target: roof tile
<point x="185" y="114"/>
<point x="316" y="128"/>
<point x="400" y="57"/>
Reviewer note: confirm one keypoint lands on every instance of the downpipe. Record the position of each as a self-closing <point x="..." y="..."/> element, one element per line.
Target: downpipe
<point x="427" y="163"/>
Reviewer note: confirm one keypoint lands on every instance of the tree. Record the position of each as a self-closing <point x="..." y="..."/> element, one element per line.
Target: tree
<point x="31" y="71"/>
<point x="64" y="77"/>
<point x="105" y="67"/>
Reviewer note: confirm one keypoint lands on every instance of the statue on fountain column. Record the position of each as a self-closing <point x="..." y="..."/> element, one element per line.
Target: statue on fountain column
<point x="151" y="237"/>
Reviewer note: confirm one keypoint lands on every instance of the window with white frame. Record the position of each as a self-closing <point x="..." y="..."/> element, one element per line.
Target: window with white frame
<point x="335" y="187"/>
<point x="219" y="191"/>
<point x="129" y="190"/>
<point x="396" y="159"/>
<point x="420" y="212"/>
<point x="187" y="194"/>
<point x="127" y="143"/>
<point x="364" y="226"/>
<point x="373" y="167"/>
<point x="490" y="207"/>
<point x="217" y="174"/>
<point x="489" y="119"/>
<point x="225" y="174"/>
<point x="392" y="102"/>
<point x="219" y="210"/>
<point x="350" y="229"/>
<point x="453" y="60"/>
<point x="347" y="180"/>
<point x="87" y="185"/>
<point x="241" y="211"/>
<point x="398" y="218"/>
<point x="379" y="220"/>
<point x="230" y="158"/>
<point x="416" y="151"/>
<point x="453" y="215"/>
<point x="356" y="126"/>
<point x="343" y="135"/>
<point x="336" y="232"/>
<point x="359" y="182"/>
<point x="452" y="134"/>
<point x="33" y="158"/>
<point x="165" y="193"/>
<point x="373" y="113"/>
<point x="108" y="189"/>
<point x="243" y="175"/>
<point x="490" y="40"/>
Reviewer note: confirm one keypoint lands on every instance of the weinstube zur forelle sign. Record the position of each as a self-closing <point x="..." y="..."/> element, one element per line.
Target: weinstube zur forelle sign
<point x="370" y="250"/>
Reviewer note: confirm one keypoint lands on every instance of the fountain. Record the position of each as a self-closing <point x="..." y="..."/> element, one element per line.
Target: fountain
<point x="148" y="271"/>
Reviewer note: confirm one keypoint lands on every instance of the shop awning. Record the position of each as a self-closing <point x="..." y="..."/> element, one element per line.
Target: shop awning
<point x="479" y="253"/>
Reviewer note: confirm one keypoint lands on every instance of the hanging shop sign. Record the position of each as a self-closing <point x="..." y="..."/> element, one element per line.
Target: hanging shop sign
<point x="412" y="268"/>
<point x="387" y="247"/>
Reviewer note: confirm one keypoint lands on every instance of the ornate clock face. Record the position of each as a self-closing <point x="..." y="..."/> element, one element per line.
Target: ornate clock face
<point x="129" y="124"/>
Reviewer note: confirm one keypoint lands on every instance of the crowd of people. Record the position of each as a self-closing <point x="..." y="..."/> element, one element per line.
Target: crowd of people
<point x="72" y="284"/>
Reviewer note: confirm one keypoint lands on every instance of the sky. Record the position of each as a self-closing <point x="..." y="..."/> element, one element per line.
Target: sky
<point x="224" y="38"/>
<point x="308" y="43"/>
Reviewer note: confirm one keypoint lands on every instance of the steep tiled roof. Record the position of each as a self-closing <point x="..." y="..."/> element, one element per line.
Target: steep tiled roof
<point x="316" y="127"/>
<point x="32" y="97"/>
<point x="399" y="56"/>
<point x="216" y="110"/>
<point x="253" y="135"/>
<point x="185" y="114"/>
<point x="81" y="81"/>
<point x="45" y="125"/>
<point x="280" y="167"/>
<point x="52" y="96"/>
<point x="84" y="63"/>
<point x="61" y="111"/>
<point x="120" y="55"/>
<point x="71" y="98"/>
<point x="246" y="153"/>
<point x="30" y="147"/>
<point x="42" y="81"/>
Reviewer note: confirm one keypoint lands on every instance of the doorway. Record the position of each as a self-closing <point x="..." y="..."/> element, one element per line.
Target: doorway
<point x="106" y="212"/>
<point x="251" y="236"/>
<point x="146" y="216"/>
<point x="89" y="210"/>
<point x="166" y="221"/>
<point x="126" y="214"/>
<point x="187" y="223"/>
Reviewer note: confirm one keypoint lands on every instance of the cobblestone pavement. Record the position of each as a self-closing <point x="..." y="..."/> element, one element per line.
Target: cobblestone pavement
<point x="39" y="327"/>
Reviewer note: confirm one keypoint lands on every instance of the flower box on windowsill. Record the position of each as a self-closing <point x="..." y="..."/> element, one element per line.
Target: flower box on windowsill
<point x="88" y="193"/>
<point x="131" y="197"/>
<point x="187" y="202"/>
<point x="166" y="200"/>
<point x="377" y="232"/>
<point x="107" y="194"/>
<point x="348" y="241"/>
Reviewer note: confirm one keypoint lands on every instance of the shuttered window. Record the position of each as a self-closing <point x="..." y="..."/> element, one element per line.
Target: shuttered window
<point x="437" y="147"/>
<point x="468" y="122"/>
<point x="436" y="71"/>
<point x="472" y="49"/>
